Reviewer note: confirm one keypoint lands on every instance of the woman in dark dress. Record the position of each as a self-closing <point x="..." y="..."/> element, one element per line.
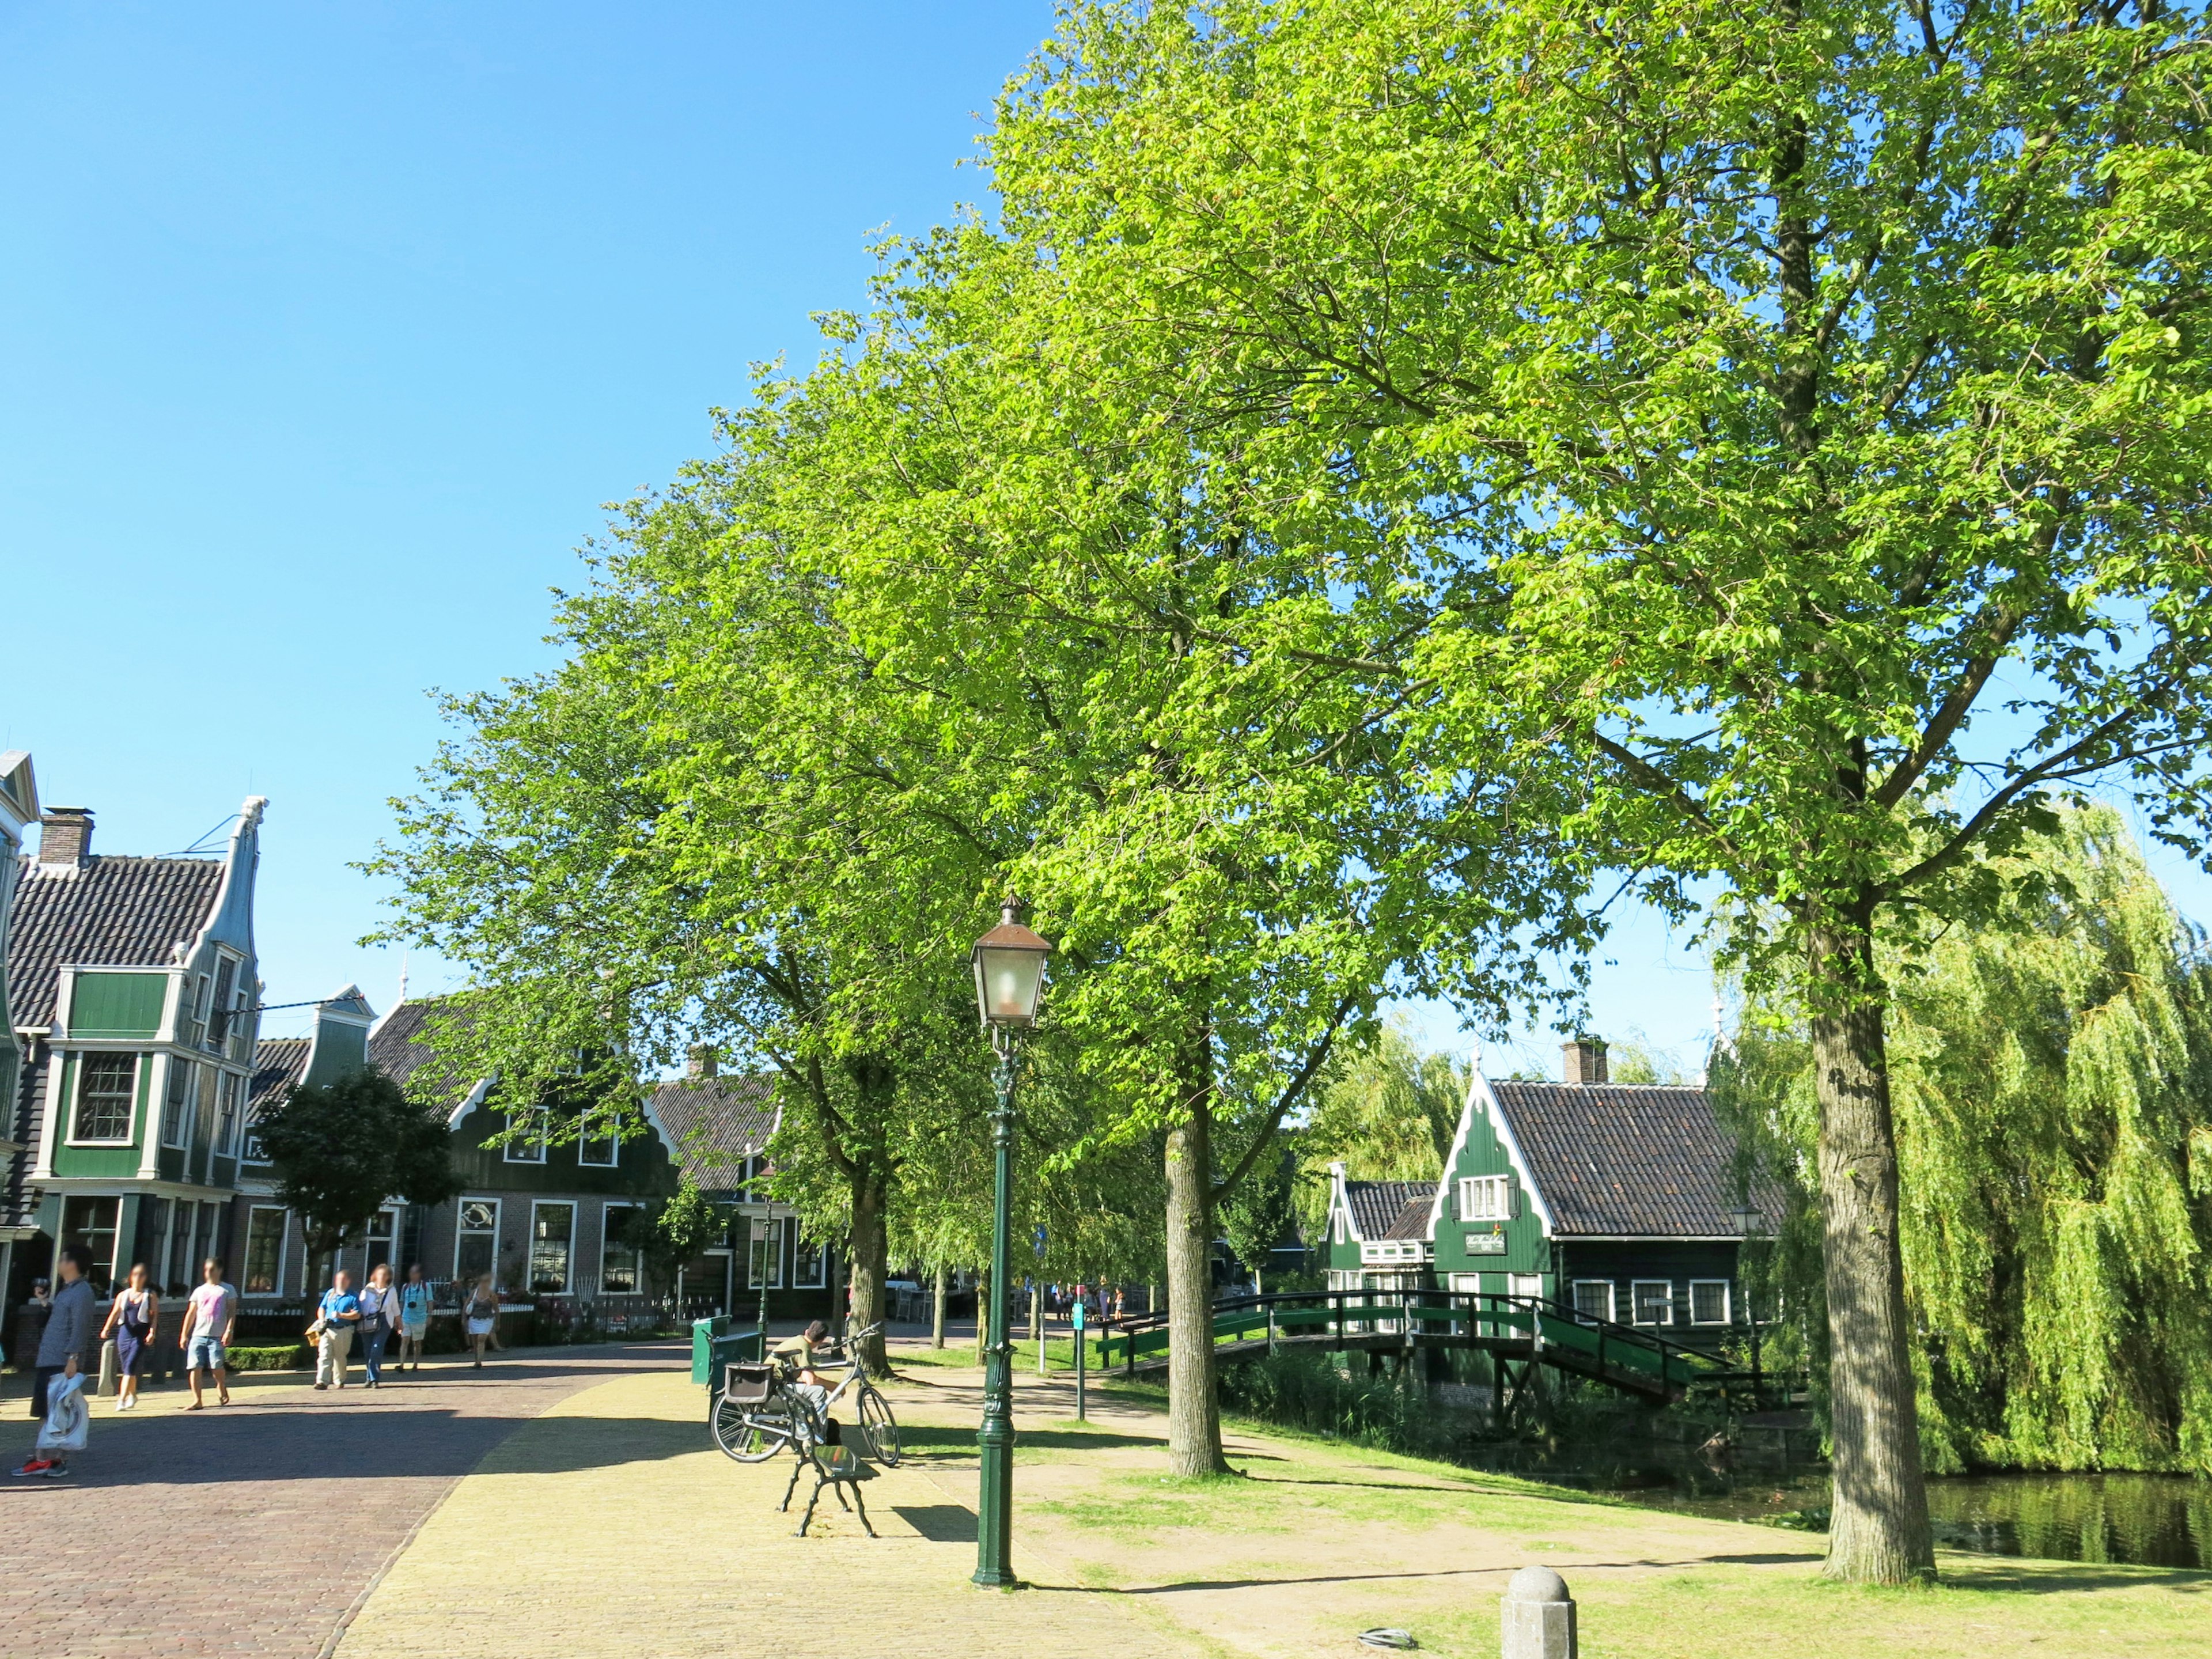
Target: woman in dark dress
<point x="130" y="1321"/>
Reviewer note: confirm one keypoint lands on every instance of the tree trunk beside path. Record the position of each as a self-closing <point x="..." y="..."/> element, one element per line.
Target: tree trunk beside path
<point x="1879" y="1532"/>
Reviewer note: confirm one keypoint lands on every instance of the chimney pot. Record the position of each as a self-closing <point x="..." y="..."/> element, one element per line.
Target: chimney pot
<point x="1582" y="1060"/>
<point x="65" y="836"/>
<point x="702" y="1061"/>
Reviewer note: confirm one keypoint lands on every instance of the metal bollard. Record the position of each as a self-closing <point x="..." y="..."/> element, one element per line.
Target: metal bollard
<point x="1538" y="1620"/>
<point x="111" y="1369"/>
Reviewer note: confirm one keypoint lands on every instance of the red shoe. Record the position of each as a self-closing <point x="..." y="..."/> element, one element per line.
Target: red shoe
<point x="46" y="1466"/>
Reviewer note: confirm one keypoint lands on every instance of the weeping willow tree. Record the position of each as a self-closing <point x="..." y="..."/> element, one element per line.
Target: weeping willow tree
<point x="1387" y="1113"/>
<point x="2052" y="1083"/>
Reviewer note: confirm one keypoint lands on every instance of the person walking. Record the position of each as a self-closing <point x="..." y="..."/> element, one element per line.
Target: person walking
<point x="337" y="1318"/>
<point x="414" y="1316"/>
<point x="31" y="1325"/>
<point x="480" y="1318"/>
<point x="211" y="1318"/>
<point x="131" y="1320"/>
<point x="62" y="1346"/>
<point x="379" y="1317"/>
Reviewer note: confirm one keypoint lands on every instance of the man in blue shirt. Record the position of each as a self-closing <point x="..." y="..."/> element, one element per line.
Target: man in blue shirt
<point x="337" y="1318"/>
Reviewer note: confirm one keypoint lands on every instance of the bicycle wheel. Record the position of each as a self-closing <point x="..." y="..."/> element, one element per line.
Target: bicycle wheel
<point x="878" y="1427"/>
<point x="748" y="1433"/>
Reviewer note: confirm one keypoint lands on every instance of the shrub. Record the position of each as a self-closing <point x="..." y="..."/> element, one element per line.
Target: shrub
<point x="293" y="1358"/>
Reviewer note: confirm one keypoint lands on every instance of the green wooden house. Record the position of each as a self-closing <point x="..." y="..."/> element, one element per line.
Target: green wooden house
<point x="1616" y="1200"/>
<point x="133" y="993"/>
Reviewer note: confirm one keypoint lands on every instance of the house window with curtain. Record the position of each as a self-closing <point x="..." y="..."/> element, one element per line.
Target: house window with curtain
<point x="264" y="1253"/>
<point x="1653" y="1301"/>
<point x="552" y="1237"/>
<point x="1485" y="1198"/>
<point x="1708" y="1302"/>
<point x="620" y="1271"/>
<point x="106" y="1090"/>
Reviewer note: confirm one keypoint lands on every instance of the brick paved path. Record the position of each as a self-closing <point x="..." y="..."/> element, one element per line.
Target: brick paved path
<point x="256" y="1528"/>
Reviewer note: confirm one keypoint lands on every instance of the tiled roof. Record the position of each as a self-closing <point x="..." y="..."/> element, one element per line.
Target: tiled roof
<point x="278" y="1065"/>
<point x="1377" y="1206"/>
<point x="111" y="913"/>
<point x="400" y="1046"/>
<point x="1412" y="1221"/>
<point x="717" y="1123"/>
<point x="1624" y="1160"/>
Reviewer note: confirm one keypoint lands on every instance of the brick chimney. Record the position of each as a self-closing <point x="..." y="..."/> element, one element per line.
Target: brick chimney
<point x="1582" y="1061"/>
<point x="701" y="1062"/>
<point x="65" y="836"/>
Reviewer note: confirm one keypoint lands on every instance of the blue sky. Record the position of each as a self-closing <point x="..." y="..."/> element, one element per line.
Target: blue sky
<point x="327" y="329"/>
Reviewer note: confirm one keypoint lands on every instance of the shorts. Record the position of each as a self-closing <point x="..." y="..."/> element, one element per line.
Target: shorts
<point x="413" y="1329"/>
<point x="205" y="1354"/>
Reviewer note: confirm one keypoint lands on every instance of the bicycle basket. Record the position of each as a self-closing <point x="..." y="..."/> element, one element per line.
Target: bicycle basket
<point x="748" y="1385"/>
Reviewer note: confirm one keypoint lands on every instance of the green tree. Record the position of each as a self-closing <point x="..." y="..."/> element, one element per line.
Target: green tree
<point x="1262" y="1212"/>
<point x="673" y="1230"/>
<point x="2052" y="1075"/>
<point x="1800" y="417"/>
<point x="342" y="1149"/>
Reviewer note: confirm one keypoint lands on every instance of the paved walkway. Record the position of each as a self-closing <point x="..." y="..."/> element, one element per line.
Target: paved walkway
<point x="255" y="1529"/>
<point x="611" y="1529"/>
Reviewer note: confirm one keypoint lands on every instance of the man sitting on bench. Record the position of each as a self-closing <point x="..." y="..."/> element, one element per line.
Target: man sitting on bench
<point x="809" y="1385"/>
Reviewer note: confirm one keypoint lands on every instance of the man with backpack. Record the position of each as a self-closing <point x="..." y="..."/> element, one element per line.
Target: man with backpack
<point x="63" y="1348"/>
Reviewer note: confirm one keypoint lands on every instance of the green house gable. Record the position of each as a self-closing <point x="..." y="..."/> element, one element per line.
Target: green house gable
<point x="1490" y="1219"/>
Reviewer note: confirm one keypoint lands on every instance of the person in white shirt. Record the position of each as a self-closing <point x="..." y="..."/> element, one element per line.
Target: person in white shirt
<point x="380" y="1318"/>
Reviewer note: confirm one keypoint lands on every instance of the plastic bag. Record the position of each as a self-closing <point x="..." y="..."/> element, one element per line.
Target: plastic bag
<point x="68" y="1422"/>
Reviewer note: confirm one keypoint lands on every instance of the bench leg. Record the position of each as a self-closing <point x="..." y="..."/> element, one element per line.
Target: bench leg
<point x="863" y="1503"/>
<point x="838" y="1487"/>
<point x="807" y="1520"/>
<point x="798" y="1465"/>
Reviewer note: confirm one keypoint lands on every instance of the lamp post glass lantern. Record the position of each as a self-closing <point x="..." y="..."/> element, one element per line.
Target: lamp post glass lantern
<point x="1009" y="965"/>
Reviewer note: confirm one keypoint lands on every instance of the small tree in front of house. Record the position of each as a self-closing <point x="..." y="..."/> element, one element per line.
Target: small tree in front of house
<point x="677" y="1230"/>
<point x="342" y="1149"/>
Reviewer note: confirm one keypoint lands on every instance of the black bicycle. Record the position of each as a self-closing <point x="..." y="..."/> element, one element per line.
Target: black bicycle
<point x="763" y="1408"/>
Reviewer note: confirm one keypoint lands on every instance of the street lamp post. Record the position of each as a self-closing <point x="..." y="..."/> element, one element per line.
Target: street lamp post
<point x="1747" y="1219"/>
<point x="1009" y="965"/>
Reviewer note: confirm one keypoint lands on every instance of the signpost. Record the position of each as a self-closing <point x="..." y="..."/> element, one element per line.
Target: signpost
<point x="1078" y="1361"/>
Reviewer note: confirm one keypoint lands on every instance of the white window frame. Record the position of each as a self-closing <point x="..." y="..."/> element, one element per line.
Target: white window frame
<point x="585" y="1140"/>
<point x="1487" y="1198"/>
<point x="1579" y="1286"/>
<point x="1635" y="1288"/>
<point x="176" y="1111"/>
<point x="283" y="1247"/>
<point x="525" y="1152"/>
<point x="607" y="1224"/>
<point x="821" y="1276"/>
<point x="229" y="1112"/>
<point x="84" y="1059"/>
<point x="1697" y="1284"/>
<point x="462" y="1234"/>
<point x="569" y="1250"/>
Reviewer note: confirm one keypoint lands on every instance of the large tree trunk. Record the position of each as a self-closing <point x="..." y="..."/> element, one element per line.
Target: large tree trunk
<point x="870" y="1265"/>
<point x="1193" y="1413"/>
<point x="1879" y="1534"/>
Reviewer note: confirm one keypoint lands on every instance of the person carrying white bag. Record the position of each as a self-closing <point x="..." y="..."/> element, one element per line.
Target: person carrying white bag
<point x="58" y="1385"/>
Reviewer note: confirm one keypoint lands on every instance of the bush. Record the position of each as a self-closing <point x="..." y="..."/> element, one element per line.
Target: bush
<point x="1306" y="1391"/>
<point x="295" y="1358"/>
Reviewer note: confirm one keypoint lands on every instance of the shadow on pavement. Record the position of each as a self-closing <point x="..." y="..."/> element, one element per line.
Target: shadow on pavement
<point x="940" y="1524"/>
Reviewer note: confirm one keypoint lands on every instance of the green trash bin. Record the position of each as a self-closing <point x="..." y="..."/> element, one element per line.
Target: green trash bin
<point x="718" y="1342"/>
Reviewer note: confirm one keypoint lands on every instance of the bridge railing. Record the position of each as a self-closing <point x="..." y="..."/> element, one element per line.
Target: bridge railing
<point x="1412" y="1312"/>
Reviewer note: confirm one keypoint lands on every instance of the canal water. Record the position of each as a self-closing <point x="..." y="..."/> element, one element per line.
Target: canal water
<point x="2146" y="1520"/>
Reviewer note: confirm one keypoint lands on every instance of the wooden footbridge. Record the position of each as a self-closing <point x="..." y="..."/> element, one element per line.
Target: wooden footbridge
<point x="1511" y="1328"/>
